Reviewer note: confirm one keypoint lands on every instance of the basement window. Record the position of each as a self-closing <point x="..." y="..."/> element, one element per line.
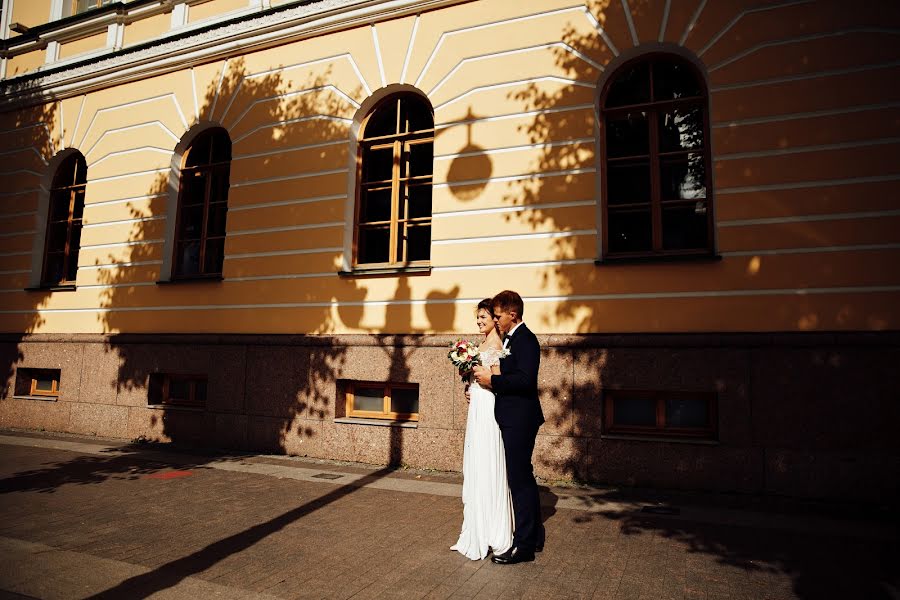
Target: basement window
<point x="39" y="384"/>
<point x="177" y="391"/>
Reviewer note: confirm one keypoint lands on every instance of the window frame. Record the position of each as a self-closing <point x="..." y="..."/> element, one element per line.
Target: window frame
<point x="398" y="142"/>
<point x="26" y="378"/>
<point x="386" y="413"/>
<point x="75" y="190"/>
<point x="654" y="108"/>
<point x="164" y="381"/>
<point x="96" y="4"/>
<point x="708" y="433"/>
<point x="54" y="391"/>
<point x="208" y="168"/>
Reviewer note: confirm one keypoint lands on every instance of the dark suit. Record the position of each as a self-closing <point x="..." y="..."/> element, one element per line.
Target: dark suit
<point x="518" y="413"/>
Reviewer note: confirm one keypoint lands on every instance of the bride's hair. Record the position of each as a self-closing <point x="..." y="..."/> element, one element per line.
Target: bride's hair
<point x="486" y="304"/>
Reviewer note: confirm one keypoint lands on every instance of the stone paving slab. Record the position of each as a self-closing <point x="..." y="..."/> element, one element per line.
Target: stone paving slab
<point x="82" y="518"/>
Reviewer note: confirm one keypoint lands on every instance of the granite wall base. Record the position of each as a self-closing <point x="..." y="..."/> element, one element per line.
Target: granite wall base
<point x="805" y="415"/>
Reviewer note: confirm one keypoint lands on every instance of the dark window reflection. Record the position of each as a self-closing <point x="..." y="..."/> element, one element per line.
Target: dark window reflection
<point x="418" y="203"/>
<point x="374" y="244"/>
<point x="628" y="182"/>
<point x="656" y="155"/>
<point x="627" y="135"/>
<point x="396" y="183"/>
<point x="687" y="412"/>
<point x="632" y="86"/>
<point x="635" y="412"/>
<point x="680" y="129"/>
<point x="630" y="231"/>
<point x="203" y="205"/>
<point x="685" y="227"/>
<point x="405" y="400"/>
<point x="383" y="121"/>
<point x="418" y="242"/>
<point x="63" y="235"/>
<point x="673" y="80"/>
<point x="378" y="164"/>
<point x="376" y="206"/>
<point x="683" y="177"/>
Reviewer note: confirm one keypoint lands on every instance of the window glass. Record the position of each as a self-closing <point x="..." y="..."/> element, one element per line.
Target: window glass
<point x="405" y="400"/>
<point x="655" y="180"/>
<point x="673" y="80"/>
<point x="635" y="411"/>
<point x="630" y="231"/>
<point x="374" y="244"/>
<point x="686" y="412"/>
<point x="632" y="86"/>
<point x="383" y="121"/>
<point x="680" y="129"/>
<point x="203" y="206"/>
<point x="369" y="399"/>
<point x="627" y="135"/>
<point x="391" y="193"/>
<point x="379" y="164"/>
<point x="683" y="177"/>
<point x="63" y="235"/>
<point x="684" y="227"/>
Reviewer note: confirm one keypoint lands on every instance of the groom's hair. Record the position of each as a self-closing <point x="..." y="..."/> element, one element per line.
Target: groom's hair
<point x="509" y="301"/>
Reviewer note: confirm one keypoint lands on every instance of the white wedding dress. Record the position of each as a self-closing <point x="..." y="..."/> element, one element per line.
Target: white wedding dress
<point x="487" y="504"/>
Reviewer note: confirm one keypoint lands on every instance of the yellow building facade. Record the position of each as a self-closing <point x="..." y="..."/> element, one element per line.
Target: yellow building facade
<point x="717" y="301"/>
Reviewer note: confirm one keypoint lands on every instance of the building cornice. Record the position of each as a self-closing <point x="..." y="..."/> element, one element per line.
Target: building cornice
<point x="233" y="37"/>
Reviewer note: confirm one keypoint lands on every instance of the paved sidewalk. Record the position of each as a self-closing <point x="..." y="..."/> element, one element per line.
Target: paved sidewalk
<point x="90" y="518"/>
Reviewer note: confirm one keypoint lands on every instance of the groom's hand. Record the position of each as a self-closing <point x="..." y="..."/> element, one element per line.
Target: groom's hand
<point x="483" y="376"/>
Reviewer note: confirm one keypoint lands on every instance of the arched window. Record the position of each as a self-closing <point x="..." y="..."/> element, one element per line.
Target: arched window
<point x="65" y="211"/>
<point x="656" y="196"/>
<point x="393" y="210"/>
<point x="202" y="206"/>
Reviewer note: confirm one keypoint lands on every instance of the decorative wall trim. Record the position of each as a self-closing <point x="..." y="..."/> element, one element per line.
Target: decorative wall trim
<point x="237" y="36"/>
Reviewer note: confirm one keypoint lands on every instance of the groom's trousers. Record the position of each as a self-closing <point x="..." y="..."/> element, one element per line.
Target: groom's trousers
<point x="518" y="443"/>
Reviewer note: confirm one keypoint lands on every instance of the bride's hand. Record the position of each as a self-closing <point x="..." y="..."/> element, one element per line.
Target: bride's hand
<point x="495" y="369"/>
<point x="483" y="376"/>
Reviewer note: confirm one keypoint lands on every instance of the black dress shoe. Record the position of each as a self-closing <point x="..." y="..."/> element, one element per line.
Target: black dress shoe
<point x="513" y="556"/>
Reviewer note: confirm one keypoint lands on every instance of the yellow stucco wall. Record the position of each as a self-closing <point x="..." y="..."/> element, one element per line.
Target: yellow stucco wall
<point x="25" y="62"/>
<point x="214" y="8"/>
<point x="803" y="149"/>
<point x="146" y="29"/>
<point x="85" y="44"/>
<point x="30" y="13"/>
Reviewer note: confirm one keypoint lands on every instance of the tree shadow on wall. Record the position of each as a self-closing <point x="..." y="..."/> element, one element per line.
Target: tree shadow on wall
<point x="820" y="568"/>
<point x="274" y="392"/>
<point x="264" y="392"/>
<point x="27" y="145"/>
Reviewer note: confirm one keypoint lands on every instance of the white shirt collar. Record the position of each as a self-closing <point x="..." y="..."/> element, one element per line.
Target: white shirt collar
<point x="511" y="331"/>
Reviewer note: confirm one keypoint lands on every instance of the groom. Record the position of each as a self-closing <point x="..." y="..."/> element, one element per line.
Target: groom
<point x="518" y="413"/>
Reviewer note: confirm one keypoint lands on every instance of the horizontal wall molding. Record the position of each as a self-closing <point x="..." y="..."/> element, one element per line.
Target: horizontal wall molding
<point x="804" y="115"/>
<point x="738" y="340"/>
<point x="578" y="298"/>
<point x="811" y="218"/>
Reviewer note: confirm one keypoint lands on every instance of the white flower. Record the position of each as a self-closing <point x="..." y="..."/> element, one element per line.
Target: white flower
<point x="505" y="352"/>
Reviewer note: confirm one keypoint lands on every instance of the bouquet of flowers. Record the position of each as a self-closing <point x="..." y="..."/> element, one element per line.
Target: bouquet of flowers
<point x="464" y="355"/>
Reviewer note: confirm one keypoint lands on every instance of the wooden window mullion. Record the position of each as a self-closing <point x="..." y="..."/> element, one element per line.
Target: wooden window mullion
<point x="201" y="268"/>
<point x="395" y="200"/>
<point x="655" y="184"/>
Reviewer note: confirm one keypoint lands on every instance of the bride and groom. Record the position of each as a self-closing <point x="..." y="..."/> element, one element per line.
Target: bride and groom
<point x="501" y="506"/>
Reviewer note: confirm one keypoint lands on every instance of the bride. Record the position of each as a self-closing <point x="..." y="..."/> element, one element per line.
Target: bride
<point x="487" y="504"/>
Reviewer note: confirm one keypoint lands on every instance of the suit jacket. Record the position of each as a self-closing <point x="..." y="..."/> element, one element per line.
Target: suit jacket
<point x="516" y="388"/>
